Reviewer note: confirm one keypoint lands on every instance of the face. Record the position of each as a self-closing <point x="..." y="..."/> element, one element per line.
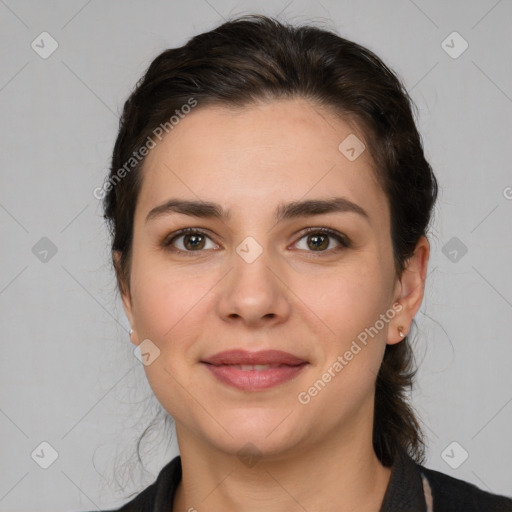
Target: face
<point x="264" y="277"/>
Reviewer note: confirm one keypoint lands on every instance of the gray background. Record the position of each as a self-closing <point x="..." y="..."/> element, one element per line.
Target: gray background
<point x="68" y="375"/>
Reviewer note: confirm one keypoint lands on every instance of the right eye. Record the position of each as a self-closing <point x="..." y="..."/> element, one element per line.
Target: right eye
<point x="191" y="240"/>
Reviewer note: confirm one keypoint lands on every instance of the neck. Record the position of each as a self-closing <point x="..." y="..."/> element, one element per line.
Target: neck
<point x="336" y="475"/>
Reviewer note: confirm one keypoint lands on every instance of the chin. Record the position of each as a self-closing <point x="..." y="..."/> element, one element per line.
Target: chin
<point x="247" y="444"/>
<point x="260" y="430"/>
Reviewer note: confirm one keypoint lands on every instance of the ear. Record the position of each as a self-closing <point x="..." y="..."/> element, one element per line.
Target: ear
<point x="124" y="288"/>
<point x="409" y="291"/>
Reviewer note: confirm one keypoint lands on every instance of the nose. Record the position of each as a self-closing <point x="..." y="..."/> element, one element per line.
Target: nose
<point x="254" y="293"/>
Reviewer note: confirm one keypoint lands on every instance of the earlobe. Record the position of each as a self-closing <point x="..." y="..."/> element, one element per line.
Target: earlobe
<point x="134" y="338"/>
<point x="397" y="332"/>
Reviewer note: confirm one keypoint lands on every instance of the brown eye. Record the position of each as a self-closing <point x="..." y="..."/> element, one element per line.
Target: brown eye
<point x="189" y="240"/>
<point x="193" y="242"/>
<point x="319" y="240"/>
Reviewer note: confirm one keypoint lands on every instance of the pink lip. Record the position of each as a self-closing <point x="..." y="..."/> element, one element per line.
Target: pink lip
<point x="274" y="357"/>
<point x="284" y="367"/>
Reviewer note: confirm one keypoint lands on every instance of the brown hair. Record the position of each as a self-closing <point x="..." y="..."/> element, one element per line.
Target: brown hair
<point x="256" y="58"/>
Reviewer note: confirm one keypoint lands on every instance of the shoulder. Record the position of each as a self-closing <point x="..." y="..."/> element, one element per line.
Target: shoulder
<point x="452" y="495"/>
<point x="159" y="493"/>
<point x="142" y="502"/>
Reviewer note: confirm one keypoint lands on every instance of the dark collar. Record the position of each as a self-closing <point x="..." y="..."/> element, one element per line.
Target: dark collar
<point x="405" y="491"/>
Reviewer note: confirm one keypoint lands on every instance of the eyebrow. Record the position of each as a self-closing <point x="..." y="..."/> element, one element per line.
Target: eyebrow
<point x="284" y="211"/>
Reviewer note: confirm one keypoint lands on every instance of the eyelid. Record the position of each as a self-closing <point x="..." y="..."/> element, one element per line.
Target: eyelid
<point x="342" y="239"/>
<point x="168" y="240"/>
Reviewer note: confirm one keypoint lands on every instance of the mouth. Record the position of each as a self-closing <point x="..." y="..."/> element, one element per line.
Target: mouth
<point x="254" y="371"/>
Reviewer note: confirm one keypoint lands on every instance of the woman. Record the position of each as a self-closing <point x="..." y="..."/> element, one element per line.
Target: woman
<point x="269" y="201"/>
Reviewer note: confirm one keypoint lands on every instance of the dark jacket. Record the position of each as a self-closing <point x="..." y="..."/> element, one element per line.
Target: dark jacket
<point x="412" y="488"/>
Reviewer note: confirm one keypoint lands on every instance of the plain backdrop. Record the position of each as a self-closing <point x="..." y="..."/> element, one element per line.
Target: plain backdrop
<point x="68" y="376"/>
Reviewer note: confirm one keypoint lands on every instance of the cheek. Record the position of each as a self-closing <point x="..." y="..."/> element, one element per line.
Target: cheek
<point x="170" y="309"/>
<point x="350" y="299"/>
<point x="351" y="306"/>
<point x="166" y="308"/>
<point x="164" y="298"/>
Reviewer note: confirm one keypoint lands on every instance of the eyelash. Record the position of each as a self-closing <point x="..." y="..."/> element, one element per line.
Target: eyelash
<point x="341" y="239"/>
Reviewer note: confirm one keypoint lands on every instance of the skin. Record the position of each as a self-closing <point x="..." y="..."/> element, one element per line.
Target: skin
<point x="294" y="297"/>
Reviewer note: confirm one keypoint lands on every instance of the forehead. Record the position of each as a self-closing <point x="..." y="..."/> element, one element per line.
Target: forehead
<point x="258" y="156"/>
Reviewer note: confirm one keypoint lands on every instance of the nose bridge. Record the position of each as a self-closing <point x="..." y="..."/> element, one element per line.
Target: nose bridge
<point x="253" y="290"/>
<point x="251" y="277"/>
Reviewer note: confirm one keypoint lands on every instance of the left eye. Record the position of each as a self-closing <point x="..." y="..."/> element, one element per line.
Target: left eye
<point x="317" y="239"/>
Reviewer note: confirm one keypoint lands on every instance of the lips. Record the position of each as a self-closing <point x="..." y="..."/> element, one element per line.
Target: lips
<point x="253" y="371"/>
<point x="263" y="357"/>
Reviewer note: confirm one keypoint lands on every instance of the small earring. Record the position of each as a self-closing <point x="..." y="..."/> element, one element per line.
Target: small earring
<point x="401" y="332"/>
<point x="131" y="332"/>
